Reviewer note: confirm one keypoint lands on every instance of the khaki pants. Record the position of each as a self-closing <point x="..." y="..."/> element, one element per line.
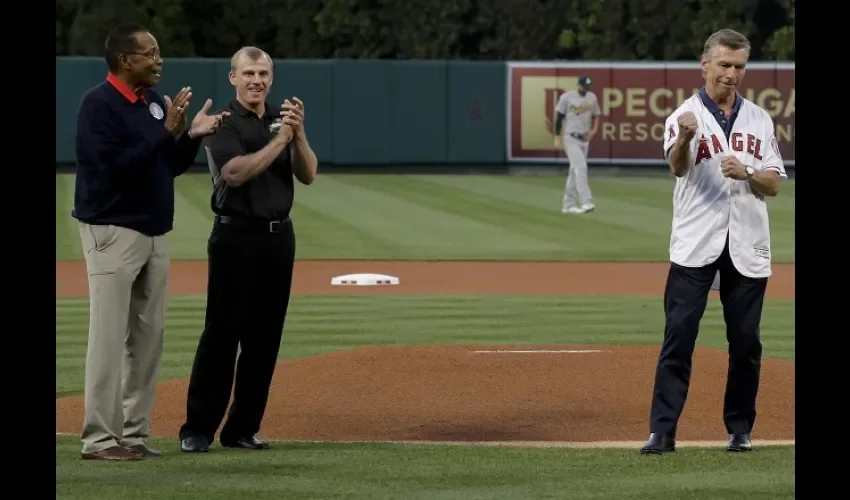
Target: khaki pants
<point x="128" y="281"/>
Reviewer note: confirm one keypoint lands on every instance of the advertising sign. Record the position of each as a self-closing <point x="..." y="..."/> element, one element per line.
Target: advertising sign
<point x="635" y="99"/>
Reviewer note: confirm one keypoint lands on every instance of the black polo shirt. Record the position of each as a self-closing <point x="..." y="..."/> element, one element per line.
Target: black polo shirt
<point x="265" y="197"/>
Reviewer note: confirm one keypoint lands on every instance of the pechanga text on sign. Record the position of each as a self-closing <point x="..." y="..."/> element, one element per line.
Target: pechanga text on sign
<point x="635" y="99"/>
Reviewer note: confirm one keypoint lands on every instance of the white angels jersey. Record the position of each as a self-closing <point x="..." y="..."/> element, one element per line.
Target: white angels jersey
<point x="708" y="206"/>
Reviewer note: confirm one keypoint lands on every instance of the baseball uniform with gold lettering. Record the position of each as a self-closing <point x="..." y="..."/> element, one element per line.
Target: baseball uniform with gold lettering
<point x="576" y="109"/>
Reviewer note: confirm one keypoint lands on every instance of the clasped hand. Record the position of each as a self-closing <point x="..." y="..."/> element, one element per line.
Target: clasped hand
<point x="733" y="169"/>
<point x="293" y="115"/>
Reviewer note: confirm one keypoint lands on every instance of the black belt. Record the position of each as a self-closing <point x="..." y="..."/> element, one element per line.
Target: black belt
<point x="577" y="135"/>
<point x="271" y="226"/>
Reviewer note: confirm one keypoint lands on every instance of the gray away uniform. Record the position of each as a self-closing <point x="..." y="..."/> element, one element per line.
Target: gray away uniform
<point x="578" y="111"/>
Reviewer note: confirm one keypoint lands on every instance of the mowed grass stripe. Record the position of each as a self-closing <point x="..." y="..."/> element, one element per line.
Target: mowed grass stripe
<point x="377" y="471"/>
<point x="319" y="324"/>
<point x="324" y="236"/>
<point x="595" y="237"/>
<point x="658" y="180"/>
<point x="449" y="217"/>
<point x="637" y="208"/>
<point x="658" y="189"/>
<point x="425" y="229"/>
<point x="193" y="217"/>
<point x="548" y="191"/>
<point x="67" y="231"/>
<point x="610" y="193"/>
<point x="478" y="202"/>
<point x="185" y="320"/>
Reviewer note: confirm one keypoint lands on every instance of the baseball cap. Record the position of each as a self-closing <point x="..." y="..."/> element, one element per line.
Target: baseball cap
<point x="585" y="81"/>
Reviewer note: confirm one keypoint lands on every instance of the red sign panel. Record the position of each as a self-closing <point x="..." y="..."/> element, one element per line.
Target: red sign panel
<point x="635" y="99"/>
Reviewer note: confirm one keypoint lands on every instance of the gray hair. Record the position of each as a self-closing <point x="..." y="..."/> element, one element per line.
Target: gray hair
<point x="252" y="53"/>
<point x="728" y="38"/>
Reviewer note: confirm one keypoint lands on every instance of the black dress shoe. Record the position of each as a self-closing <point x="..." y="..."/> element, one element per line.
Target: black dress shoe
<point x="195" y="444"/>
<point x="250" y="442"/>
<point x="739" y="442"/>
<point x="659" y="444"/>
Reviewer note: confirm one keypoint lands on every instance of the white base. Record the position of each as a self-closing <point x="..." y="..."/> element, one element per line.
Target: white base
<point x="364" y="279"/>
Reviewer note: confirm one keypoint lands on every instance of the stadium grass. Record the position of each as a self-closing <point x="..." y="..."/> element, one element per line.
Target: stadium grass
<point x="436" y="217"/>
<point x="384" y="471"/>
<point x="451" y="217"/>
<point x="321" y="324"/>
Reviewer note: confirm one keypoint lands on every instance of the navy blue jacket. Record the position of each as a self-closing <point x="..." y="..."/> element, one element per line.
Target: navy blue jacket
<point x="127" y="160"/>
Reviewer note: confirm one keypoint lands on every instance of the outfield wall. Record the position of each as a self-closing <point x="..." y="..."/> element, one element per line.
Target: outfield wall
<point x="444" y="113"/>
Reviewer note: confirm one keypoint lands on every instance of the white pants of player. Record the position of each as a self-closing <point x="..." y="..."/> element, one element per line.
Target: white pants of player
<point x="577" y="190"/>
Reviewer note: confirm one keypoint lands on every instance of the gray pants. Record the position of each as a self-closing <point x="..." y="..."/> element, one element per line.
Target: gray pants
<point x="577" y="190"/>
<point x="128" y="281"/>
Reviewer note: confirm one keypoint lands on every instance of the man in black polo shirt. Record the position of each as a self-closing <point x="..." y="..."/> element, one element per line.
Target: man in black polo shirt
<point x="130" y="145"/>
<point x="251" y="251"/>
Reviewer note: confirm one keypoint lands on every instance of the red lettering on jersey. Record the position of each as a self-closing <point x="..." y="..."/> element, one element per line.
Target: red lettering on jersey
<point x="715" y="143"/>
<point x="753" y="144"/>
<point x="737" y="143"/>
<point x="702" y="151"/>
<point x="672" y="132"/>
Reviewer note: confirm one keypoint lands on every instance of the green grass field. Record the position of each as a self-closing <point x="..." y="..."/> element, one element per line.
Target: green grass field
<point x="436" y="217"/>
<point x="452" y="217"/>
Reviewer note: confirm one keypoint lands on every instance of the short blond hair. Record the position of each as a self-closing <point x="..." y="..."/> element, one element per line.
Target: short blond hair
<point x="250" y="52"/>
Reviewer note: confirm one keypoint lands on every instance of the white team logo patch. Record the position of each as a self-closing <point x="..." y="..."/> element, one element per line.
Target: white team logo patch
<point x="156" y="111"/>
<point x="274" y="128"/>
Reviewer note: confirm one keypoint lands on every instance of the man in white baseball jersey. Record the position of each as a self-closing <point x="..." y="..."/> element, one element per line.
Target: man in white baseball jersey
<point x="580" y="109"/>
<point x="722" y="150"/>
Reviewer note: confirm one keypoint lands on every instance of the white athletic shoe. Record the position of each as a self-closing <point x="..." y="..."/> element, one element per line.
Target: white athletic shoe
<point x="571" y="210"/>
<point x="589" y="207"/>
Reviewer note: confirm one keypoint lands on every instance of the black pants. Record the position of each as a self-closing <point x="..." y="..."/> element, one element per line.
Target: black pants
<point x="250" y="277"/>
<point x="685" y="300"/>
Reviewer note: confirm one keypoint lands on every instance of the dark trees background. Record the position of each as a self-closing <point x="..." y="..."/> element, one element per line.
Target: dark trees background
<point x="434" y="29"/>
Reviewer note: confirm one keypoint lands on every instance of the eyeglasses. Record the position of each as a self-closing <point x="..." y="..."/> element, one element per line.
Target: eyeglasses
<point x="154" y="55"/>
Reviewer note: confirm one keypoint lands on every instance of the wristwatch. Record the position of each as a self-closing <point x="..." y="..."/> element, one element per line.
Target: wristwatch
<point x="750" y="173"/>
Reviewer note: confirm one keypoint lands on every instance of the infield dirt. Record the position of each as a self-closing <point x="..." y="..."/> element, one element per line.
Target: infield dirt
<point x="454" y="393"/>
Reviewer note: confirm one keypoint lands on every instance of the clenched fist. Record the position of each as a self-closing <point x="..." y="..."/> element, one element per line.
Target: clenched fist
<point x="687" y="126"/>
<point x="731" y="167"/>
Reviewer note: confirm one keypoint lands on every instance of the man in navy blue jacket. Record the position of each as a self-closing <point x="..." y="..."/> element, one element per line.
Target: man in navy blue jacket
<point x="130" y="145"/>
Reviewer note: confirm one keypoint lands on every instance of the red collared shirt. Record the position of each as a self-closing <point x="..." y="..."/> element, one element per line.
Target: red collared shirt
<point x="125" y="90"/>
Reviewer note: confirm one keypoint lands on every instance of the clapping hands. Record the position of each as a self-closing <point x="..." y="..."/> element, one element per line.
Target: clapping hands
<point x="205" y="124"/>
<point x="293" y="115"/>
<point x="177" y="115"/>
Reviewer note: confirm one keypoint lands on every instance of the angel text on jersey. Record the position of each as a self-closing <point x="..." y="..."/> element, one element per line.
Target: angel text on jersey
<point x="739" y="142"/>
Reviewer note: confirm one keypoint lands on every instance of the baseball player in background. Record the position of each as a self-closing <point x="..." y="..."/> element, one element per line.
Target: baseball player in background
<point x="578" y="112"/>
<point x="722" y="150"/>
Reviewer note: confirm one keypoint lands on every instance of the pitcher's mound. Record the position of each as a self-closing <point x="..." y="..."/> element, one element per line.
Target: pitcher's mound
<point x="470" y="393"/>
